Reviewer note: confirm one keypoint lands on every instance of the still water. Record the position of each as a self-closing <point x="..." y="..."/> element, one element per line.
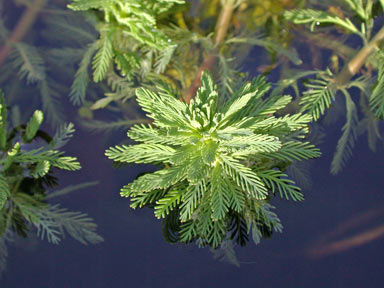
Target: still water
<point x="348" y="207"/>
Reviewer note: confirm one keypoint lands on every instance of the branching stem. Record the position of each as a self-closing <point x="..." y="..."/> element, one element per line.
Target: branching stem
<point x="220" y="34"/>
<point x="355" y="64"/>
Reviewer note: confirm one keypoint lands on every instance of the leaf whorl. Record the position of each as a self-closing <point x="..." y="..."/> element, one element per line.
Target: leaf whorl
<point x="219" y="162"/>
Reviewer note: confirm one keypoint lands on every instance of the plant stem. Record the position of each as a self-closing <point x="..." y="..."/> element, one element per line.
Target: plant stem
<point x="221" y="30"/>
<point x="355" y="64"/>
<point x="25" y="23"/>
<point x="16" y="187"/>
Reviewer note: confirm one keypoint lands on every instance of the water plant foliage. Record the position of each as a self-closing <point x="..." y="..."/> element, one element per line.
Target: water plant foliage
<point x="323" y="90"/>
<point x="134" y="52"/>
<point x="28" y="156"/>
<point x="221" y="163"/>
<point x="38" y="66"/>
<point x="223" y="151"/>
<point x="126" y="27"/>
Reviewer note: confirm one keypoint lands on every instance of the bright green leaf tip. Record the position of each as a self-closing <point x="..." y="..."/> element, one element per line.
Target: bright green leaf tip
<point x="34" y="125"/>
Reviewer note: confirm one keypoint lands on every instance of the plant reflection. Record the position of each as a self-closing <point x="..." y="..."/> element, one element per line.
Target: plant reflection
<point x="337" y="241"/>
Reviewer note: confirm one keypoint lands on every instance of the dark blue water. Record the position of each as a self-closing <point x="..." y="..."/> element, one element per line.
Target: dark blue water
<point x="134" y="253"/>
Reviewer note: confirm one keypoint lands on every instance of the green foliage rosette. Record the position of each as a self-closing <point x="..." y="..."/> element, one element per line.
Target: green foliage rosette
<point x="221" y="164"/>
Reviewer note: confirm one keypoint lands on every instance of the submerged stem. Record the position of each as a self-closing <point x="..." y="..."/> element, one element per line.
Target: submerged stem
<point x="221" y="30"/>
<point x="355" y="64"/>
<point x="22" y="27"/>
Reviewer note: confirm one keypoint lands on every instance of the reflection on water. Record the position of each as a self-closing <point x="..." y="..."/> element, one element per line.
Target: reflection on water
<point x="338" y="240"/>
<point x="46" y="46"/>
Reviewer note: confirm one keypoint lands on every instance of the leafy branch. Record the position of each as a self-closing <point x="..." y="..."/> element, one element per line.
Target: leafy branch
<point x="316" y="17"/>
<point x="321" y="92"/>
<point x="25" y="175"/>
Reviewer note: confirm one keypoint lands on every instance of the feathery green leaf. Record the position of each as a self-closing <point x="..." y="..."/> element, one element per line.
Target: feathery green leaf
<point x="79" y="85"/>
<point x="318" y="97"/>
<point x="63" y="134"/>
<point x="293" y="150"/>
<point x="244" y="177"/>
<point x="347" y="140"/>
<point x="4" y="191"/>
<point x="28" y="61"/>
<point x="80" y="5"/>
<point x="316" y="17"/>
<point x="220" y="194"/>
<point x="191" y="199"/>
<point x="276" y="180"/>
<point x="103" y="58"/>
<point x="168" y="202"/>
<point x="141" y="153"/>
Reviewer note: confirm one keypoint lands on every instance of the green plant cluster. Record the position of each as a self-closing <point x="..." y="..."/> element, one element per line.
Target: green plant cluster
<point x="223" y="154"/>
<point x="329" y="85"/>
<point x="26" y="174"/>
<point x="129" y="38"/>
<point x="41" y="66"/>
<point x="221" y="164"/>
<point x="143" y="42"/>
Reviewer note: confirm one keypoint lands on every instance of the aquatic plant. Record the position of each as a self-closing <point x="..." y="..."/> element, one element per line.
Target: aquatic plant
<point x="28" y="157"/>
<point x="126" y="26"/>
<point x="223" y="150"/>
<point x="195" y="192"/>
<point x="40" y="64"/>
<point x="358" y="19"/>
<point x="221" y="163"/>
<point x="167" y="47"/>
